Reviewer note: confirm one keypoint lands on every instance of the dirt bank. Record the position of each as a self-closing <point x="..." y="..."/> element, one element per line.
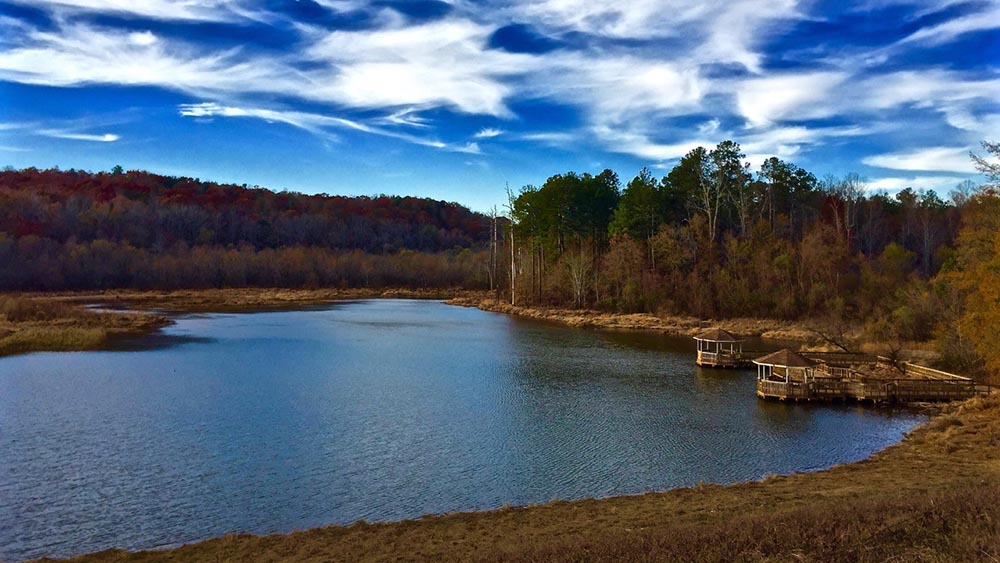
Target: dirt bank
<point x="676" y="325"/>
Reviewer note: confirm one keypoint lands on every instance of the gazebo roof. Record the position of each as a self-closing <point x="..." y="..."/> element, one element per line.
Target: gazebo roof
<point x="718" y="335"/>
<point x="785" y="358"/>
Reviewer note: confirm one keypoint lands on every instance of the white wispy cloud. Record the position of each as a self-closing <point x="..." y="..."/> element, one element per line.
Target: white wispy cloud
<point x="96" y="138"/>
<point x="719" y="30"/>
<point x="940" y="184"/>
<point x="441" y="63"/>
<point x="934" y="87"/>
<point x="488" y="133"/>
<point x="932" y="159"/>
<point x="79" y="54"/>
<point x="401" y="69"/>
<point x="469" y="148"/>
<point x="317" y="124"/>
<point x="72" y="131"/>
<point x="642" y="145"/>
<point x="198" y="10"/>
<point x="788" y="140"/>
<point x="551" y="138"/>
<point x="408" y="117"/>
<point x="949" y="30"/>
<point x="802" y="95"/>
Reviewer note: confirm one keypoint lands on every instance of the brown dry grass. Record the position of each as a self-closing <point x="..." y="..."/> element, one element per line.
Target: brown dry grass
<point x="773" y="329"/>
<point x="934" y="497"/>
<point x="35" y="324"/>
<point x="243" y="299"/>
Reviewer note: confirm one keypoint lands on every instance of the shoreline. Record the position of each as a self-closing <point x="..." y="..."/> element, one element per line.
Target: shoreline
<point x="66" y="321"/>
<point x="674" y="325"/>
<point x="68" y="330"/>
<point x="932" y="496"/>
<point x="62" y="322"/>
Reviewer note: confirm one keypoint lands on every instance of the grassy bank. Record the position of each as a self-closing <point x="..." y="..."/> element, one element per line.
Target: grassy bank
<point x="773" y="329"/>
<point x="69" y="326"/>
<point x="35" y="324"/>
<point x="934" y="497"/>
<point x="244" y="299"/>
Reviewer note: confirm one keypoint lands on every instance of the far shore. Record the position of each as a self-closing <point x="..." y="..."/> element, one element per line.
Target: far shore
<point x="770" y="329"/>
<point x="60" y="321"/>
<point x="91" y="320"/>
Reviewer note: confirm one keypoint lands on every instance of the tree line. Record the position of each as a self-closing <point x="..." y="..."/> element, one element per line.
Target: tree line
<point x="74" y="229"/>
<point x="712" y="238"/>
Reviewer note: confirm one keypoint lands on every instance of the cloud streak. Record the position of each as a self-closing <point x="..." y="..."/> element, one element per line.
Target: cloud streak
<point x="649" y="79"/>
<point x="100" y="138"/>
<point x="933" y="159"/>
<point x="317" y="124"/>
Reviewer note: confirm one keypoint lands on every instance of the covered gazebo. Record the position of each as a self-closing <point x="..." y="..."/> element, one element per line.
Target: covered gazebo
<point x="786" y="366"/>
<point x="719" y="348"/>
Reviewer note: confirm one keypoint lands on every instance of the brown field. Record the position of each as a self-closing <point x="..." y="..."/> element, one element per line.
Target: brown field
<point x="935" y="497"/>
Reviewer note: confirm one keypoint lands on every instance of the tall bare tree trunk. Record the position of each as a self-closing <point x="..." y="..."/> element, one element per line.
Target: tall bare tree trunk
<point x="513" y="262"/>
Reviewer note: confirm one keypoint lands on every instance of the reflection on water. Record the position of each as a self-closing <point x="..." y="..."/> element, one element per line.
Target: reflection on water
<point x="380" y="410"/>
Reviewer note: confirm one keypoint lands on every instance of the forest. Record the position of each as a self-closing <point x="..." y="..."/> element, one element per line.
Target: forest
<point x="72" y="229"/>
<point x="711" y="238"/>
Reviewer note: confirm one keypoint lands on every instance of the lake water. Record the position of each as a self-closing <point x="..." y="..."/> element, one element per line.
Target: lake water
<point x="376" y="410"/>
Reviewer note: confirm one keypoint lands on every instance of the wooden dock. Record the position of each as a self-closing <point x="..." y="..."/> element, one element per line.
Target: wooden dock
<point x="832" y="383"/>
<point x="786" y="375"/>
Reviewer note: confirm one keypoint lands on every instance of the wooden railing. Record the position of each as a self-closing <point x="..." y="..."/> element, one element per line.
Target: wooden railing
<point x="871" y="389"/>
<point x="826" y="370"/>
<point x="930" y="373"/>
<point x="782" y="390"/>
<point x="841" y="358"/>
<point x="723" y="358"/>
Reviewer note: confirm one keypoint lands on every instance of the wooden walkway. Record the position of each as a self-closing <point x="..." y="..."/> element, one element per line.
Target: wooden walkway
<point x="834" y="383"/>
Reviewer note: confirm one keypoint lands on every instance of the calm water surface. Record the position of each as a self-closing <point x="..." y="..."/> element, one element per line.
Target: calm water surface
<point x="381" y="410"/>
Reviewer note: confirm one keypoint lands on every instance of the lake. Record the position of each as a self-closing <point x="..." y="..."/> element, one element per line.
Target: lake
<point x="376" y="410"/>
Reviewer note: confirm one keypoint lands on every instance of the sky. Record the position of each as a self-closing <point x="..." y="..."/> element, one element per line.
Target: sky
<point x="456" y="99"/>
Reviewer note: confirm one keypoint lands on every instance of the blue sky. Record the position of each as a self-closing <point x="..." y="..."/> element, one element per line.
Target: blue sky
<point x="454" y="99"/>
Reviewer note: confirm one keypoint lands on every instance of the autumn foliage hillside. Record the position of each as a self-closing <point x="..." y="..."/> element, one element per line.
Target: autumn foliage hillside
<point x="82" y="230"/>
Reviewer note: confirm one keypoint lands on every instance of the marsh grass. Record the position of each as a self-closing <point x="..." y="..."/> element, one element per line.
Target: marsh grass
<point x="33" y="324"/>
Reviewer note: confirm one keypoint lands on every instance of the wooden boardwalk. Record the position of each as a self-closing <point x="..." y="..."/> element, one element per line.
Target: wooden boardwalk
<point x="832" y="383"/>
